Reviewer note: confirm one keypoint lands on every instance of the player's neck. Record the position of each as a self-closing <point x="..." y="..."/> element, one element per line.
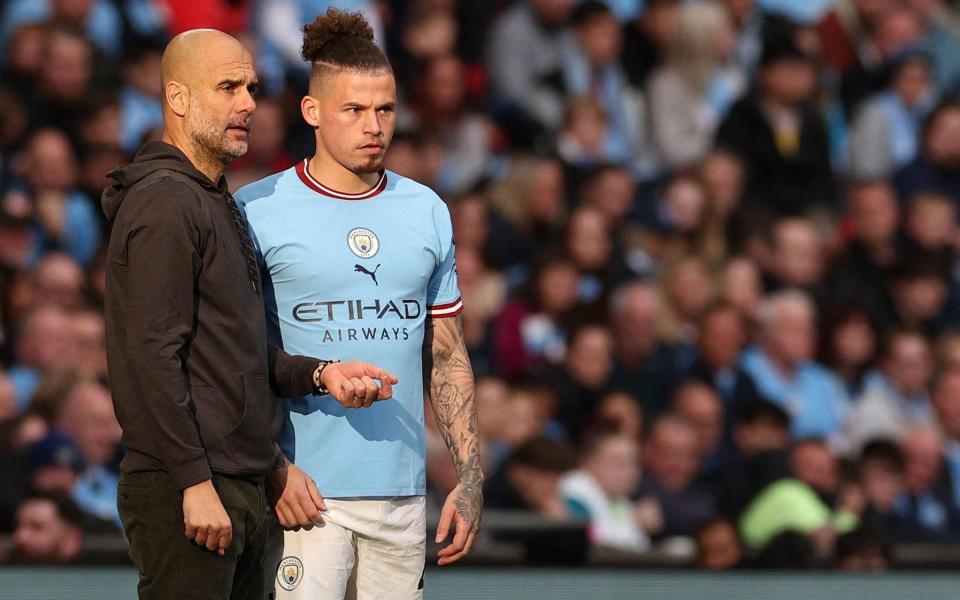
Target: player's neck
<point x="337" y="177"/>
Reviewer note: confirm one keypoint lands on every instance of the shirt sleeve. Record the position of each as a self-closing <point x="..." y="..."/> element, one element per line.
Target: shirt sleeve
<point x="443" y="291"/>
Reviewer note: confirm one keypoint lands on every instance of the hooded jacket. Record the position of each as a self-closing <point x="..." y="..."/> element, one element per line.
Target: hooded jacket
<point x="189" y="366"/>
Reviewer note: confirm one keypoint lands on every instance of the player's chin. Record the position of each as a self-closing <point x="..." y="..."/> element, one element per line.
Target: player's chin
<point x="371" y="165"/>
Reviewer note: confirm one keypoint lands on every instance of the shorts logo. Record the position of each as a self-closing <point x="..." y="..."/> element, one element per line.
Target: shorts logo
<point x="363" y="242"/>
<point x="289" y="573"/>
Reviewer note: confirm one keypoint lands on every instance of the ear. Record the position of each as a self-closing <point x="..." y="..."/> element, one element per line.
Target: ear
<point x="310" y="108"/>
<point x="178" y="97"/>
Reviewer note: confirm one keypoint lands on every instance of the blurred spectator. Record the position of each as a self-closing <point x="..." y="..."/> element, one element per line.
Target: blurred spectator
<point x="931" y="227"/>
<point x="645" y="366"/>
<point x="531" y="329"/>
<point x="797" y="255"/>
<point x="646" y="38"/>
<point x="589" y="244"/>
<point x="848" y="346"/>
<point x="865" y="549"/>
<point x="742" y="287"/>
<point x="65" y="79"/>
<point x="928" y="507"/>
<point x="599" y="491"/>
<point x="919" y="287"/>
<point x="99" y="19"/>
<point x="49" y="530"/>
<point x="43" y="342"/>
<point x="884" y="133"/>
<point x="532" y="29"/>
<point x="936" y="167"/>
<point x="141" y="94"/>
<point x="798" y="503"/>
<point x="57" y="281"/>
<point x="782" y="140"/>
<point x="671" y="455"/>
<point x="54" y="462"/>
<point x="718" y="546"/>
<point x="266" y="154"/>
<point x="895" y="397"/>
<point x="686" y="293"/>
<point x="861" y="271"/>
<point x="881" y="474"/>
<point x="700" y="406"/>
<point x="66" y="217"/>
<point x="530" y="479"/>
<point x="692" y="91"/>
<point x="722" y="336"/>
<point x="87" y="416"/>
<point x="784" y="372"/>
<point x="619" y="412"/>
<point x="946" y="400"/>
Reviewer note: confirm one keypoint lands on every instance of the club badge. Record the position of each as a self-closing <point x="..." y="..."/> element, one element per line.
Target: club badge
<point x="363" y="242"/>
<point x="290" y="573"/>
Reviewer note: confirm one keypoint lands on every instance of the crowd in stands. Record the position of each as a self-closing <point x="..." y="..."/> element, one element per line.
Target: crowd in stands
<point x="708" y="251"/>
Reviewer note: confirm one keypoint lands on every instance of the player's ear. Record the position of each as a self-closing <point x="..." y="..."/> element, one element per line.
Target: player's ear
<point x="310" y="108"/>
<point x="178" y="97"/>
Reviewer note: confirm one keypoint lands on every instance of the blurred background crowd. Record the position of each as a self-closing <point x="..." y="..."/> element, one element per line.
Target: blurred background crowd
<point x="708" y="251"/>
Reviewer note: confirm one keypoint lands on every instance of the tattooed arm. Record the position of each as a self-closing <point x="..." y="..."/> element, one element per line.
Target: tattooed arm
<point x="450" y="377"/>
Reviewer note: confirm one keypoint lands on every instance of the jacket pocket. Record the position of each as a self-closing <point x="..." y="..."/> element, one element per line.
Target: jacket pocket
<point x="218" y="414"/>
<point x="254" y="432"/>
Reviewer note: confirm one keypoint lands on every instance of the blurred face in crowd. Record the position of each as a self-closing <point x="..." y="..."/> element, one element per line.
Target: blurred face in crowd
<point x="909" y="363"/>
<point x="88" y="417"/>
<point x="8" y="397"/>
<point x="636" y="311"/>
<point x="25" y="51"/>
<point x="788" y="81"/>
<point x="882" y="483"/>
<point x="874" y="212"/>
<point x="471" y="226"/>
<point x="948" y="351"/>
<point x="589" y="358"/>
<point x="931" y="221"/>
<point x="700" y="405"/>
<point x="814" y="464"/>
<point x="923" y="458"/>
<point x="761" y="435"/>
<point x="493" y="399"/>
<point x="89" y="333"/>
<point x="946" y="399"/>
<point x="942" y="143"/>
<point x="615" y="465"/>
<point x="623" y="412"/>
<point x="58" y="280"/>
<point x="144" y="74"/>
<point x="588" y="239"/>
<point x="103" y="126"/>
<point x="45" y="340"/>
<point x="872" y="11"/>
<point x="790" y="334"/>
<point x="742" y="287"/>
<point x="432" y="33"/>
<point x="443" y="86"/>
<point x="897" y="29"/>
<point x="611" y="191"/>
<point x="586" y="125"/>
<point x="67" y="67"/>
<point x="538" y="488"/>
<point x="688" y="288"/>
<point x="798" y="253"/>
<point x="75" y="11"/>
<point x="718" y="546"/>
<point x="723" y="334"/>
<point x="600" y="38"/>
<point x="672" y="453"/>
<point x="544" y="197"/>
<point x="920" y="298"/>
<point x="913" y="81"/>
<point x="271" y="127"/>
<point x="722" y="176"/>
<point x="557" y="287"/>
<point x="659" y="20"/>
<point x="42" y="536"/>
<point x="51" y="162"/>
<point x="854" y="342"/>
<point x="685" y="201"/>
<point x="524" y="418"/>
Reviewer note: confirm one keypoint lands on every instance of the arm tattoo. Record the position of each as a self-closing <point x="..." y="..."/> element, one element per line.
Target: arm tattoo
<point x="447" y="366"/>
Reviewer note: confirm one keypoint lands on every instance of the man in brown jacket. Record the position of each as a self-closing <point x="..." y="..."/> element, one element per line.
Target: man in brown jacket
<point x="190" y="369"/>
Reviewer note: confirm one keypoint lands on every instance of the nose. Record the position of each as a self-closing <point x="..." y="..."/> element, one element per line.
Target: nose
<point x="246" y="103"/>
<point x="372" y="124"/>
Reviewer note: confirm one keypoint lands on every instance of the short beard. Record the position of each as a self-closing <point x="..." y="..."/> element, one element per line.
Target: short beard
<point x="209" y="140"/>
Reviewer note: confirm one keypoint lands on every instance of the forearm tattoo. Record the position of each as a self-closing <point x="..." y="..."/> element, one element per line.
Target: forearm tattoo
<point x="451" y="384"/>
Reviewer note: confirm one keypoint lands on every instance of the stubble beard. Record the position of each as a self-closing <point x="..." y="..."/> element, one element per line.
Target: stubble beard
<point x="209" y="140"/>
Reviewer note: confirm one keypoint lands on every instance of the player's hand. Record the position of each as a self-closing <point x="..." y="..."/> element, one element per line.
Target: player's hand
<point x="353" y="383"/>
<point x="295" y="498"/>
<point x="207" y="522"/>
<point x="462" y="510"/>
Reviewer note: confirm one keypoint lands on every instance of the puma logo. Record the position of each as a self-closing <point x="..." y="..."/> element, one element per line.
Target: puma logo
<point x="372" y="274"/>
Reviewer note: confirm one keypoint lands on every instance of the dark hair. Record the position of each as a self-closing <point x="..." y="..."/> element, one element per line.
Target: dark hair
<point x="864" y="541"/>
<point x="763" y="411"/>
<point x="883" y="451"/>
<point x="342" y="40"/>
<point x="587" y="11"/>
<point x="543" y="454"/>
<point x="66" y="508"/>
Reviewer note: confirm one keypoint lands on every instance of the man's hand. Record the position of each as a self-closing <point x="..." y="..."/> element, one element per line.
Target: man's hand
<point x="352" y="383"/>
<point x="206" y="521"/>
<point x="462" y="510"/>
<point x="295" y="497"/>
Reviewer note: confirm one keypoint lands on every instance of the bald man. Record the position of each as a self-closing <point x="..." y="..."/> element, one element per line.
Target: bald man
<point x="190" y="370"/>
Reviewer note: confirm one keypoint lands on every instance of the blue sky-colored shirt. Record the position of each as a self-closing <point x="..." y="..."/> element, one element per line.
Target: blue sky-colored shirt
<point x="355" y="276"/>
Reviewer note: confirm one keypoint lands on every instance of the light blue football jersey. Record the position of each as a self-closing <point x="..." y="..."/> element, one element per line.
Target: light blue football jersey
<point x="354" y="276"/>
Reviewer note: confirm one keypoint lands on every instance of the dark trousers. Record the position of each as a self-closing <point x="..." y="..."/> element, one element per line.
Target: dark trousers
<point x="171" y="566"/>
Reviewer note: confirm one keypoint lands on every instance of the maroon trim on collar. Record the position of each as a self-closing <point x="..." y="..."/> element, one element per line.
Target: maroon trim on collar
<point x="309" y="181"/>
